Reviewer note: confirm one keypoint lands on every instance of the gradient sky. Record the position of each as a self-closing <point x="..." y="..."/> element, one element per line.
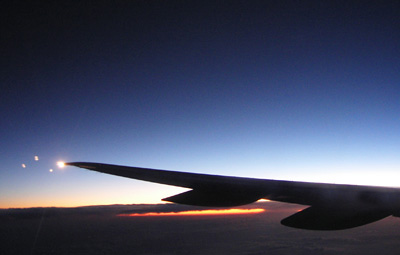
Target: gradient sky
<point x="269" y="89"/>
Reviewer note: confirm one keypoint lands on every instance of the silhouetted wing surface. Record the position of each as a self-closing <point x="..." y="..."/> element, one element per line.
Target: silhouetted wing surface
<point x="333" y="206"/>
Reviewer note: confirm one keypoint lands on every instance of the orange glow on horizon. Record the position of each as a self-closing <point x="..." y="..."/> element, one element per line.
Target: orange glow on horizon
<point x="197" y="213"/>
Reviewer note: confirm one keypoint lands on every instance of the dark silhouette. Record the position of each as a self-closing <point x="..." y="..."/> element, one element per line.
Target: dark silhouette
<point x="332" y="206"/>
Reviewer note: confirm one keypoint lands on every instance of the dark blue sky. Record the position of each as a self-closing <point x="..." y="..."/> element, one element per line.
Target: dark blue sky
<point x="270" y="89"/>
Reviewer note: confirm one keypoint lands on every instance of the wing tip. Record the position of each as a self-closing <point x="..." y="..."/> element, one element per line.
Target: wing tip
<point x="81" y="165"/>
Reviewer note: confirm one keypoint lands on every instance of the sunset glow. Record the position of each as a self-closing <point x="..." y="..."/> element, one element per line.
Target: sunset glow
<point x="197" y="212"/>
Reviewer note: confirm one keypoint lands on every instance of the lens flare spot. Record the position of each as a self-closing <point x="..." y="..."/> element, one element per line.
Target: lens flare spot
<point x="197" y="213"/>
<point x="23" y="166"/>
<point x="36" y="158"/>
<point x="51" y="170"/>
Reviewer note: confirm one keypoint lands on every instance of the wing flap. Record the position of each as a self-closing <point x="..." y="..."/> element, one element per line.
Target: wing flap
<point x="220" y="198"/>
<point x="315" y="218"/>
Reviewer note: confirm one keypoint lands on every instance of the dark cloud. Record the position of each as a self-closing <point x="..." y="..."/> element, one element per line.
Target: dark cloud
<point x="97" y="230"/>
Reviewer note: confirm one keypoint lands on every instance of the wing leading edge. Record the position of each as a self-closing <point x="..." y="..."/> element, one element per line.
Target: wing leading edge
<point x="332" y="206"/>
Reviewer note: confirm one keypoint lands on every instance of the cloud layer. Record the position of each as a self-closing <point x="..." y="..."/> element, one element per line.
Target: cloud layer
<point x="97" y="230"/>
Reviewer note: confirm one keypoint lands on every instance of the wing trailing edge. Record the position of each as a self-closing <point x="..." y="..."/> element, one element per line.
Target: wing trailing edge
<point x="207" y="190"/>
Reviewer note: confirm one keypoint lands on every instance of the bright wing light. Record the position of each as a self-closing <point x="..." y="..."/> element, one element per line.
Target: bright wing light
<point x="60" y="164"/>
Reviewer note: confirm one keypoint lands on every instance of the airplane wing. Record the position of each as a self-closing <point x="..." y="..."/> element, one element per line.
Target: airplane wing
<point x="331" y="206"/>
